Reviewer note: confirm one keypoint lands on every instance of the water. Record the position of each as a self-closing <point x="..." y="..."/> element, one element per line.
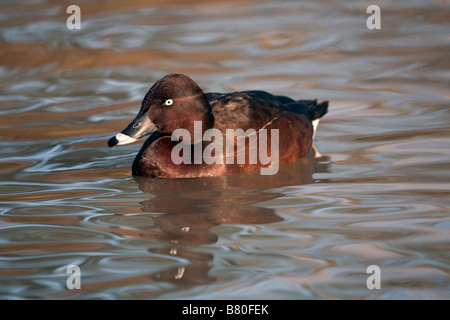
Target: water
<point x="377" y="194"/>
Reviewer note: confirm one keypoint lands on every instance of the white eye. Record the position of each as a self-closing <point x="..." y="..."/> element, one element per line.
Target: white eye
<point x="168" y="102"/>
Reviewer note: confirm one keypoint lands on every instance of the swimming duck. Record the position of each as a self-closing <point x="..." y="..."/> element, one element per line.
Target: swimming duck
<point x="196" y="134"/>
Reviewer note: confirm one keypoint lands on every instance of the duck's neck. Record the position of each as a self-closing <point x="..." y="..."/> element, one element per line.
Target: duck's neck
<point x="200" y="126"/>
<point x="208" y="121"/>
<point x="206" y="117"/>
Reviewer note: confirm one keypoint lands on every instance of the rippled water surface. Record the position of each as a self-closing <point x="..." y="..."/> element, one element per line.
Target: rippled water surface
<point x="376" y="193"/>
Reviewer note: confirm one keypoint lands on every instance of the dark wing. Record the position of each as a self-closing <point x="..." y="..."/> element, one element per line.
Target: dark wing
<point x="254" y="109"/>
<point x="247" y="109"/>
<point x="309" y="108"/>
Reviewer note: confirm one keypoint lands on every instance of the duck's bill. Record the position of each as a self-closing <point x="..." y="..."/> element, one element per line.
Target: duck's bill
<point x="141" y="126"/>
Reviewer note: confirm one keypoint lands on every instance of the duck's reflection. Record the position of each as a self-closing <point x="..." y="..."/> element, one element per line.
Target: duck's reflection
<point x="185" y="211"/>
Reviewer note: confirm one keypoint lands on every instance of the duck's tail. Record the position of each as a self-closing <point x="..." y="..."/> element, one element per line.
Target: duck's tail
<point x="316" y="113"/>
<point x="313" y="110"/>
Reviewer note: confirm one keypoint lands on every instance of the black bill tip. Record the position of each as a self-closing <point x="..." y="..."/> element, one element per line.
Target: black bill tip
<point x="112" y="142"/>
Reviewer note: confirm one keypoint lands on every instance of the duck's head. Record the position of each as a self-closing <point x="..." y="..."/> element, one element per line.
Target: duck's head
<point x="173" y="102"/>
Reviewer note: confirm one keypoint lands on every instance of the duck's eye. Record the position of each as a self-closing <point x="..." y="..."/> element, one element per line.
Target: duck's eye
<point x="168" y="102"/>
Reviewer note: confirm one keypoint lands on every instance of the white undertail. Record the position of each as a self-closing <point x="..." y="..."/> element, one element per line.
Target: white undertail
<point x="315" y="123"/>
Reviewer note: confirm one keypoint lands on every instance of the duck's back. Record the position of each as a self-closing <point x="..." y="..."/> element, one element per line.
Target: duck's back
<point x="244" y="110"/>
<point x="255" y="109"/>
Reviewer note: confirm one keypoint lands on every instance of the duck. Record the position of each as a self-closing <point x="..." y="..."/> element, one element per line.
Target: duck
<point x="193" y="134"/>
